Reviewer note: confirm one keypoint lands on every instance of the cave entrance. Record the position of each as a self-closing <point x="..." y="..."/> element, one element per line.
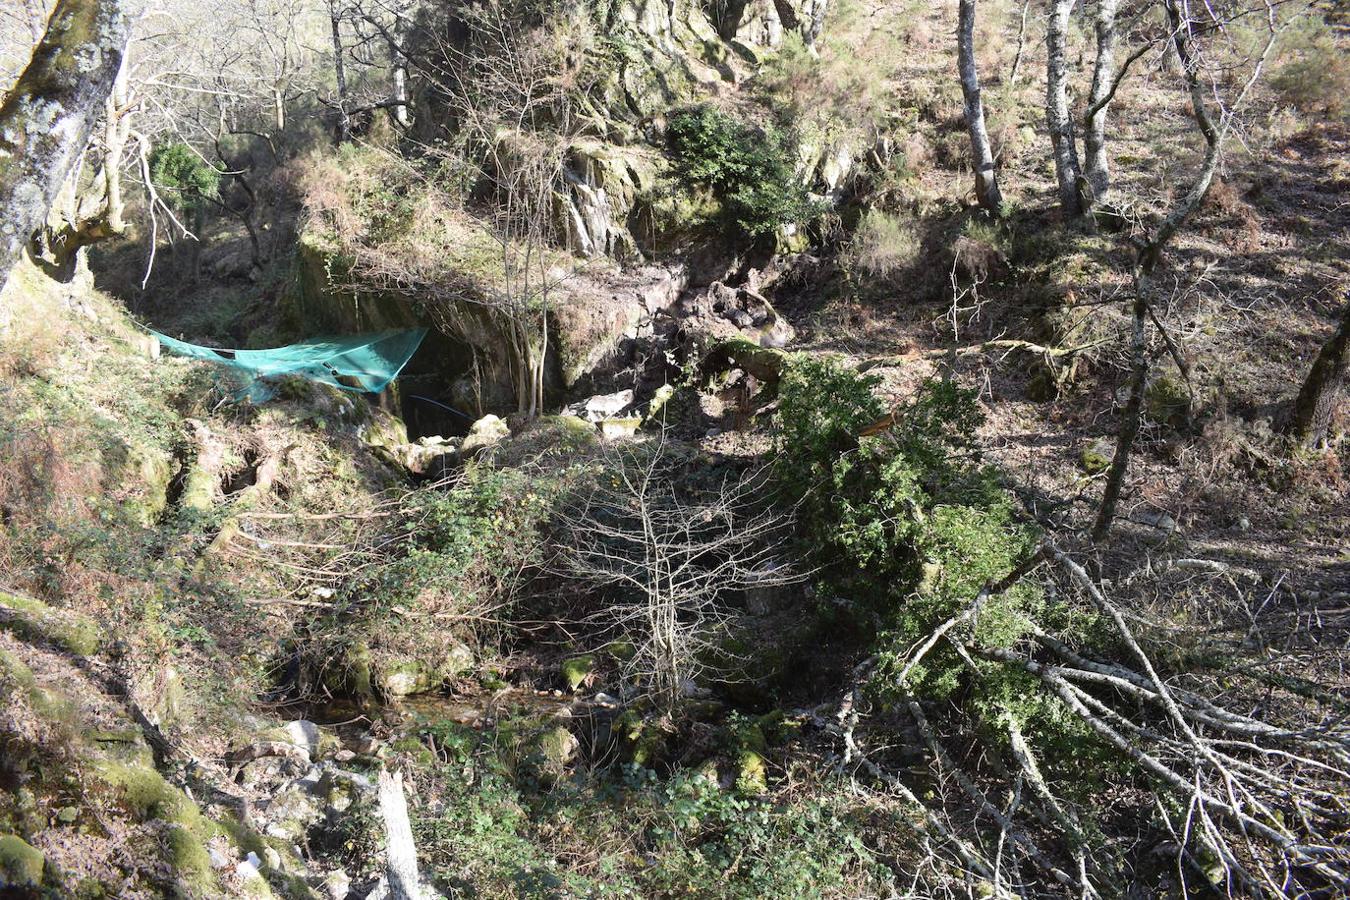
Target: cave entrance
<point x="426" y="388"/>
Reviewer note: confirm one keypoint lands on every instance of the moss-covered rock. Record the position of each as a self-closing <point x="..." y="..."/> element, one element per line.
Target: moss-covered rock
<point x="620" y="429"/>
<point x="487" y="432"/>
<point x="1095" y="458"/>
<point x="405" y="677"/>
<point x="554" y="750"/>
<point x="144" y="479"/>
<point x="751" y="773"/>
<point x="21" y="865"/>
<point x="292" y="813"/>
<point x="32" y="619"/>
<point x="199" y="489"/>
<point x="1167" y="401"/>
<point x="622" y="650"/>
<point x="640" y="741"/>
<point x="396" y="676"/>
<point x="147" y="796"/>
<point x="576" y="670"/>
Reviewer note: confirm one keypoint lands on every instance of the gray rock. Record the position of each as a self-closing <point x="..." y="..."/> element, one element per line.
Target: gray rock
<point x="248" y="869"/>
<point x="486" y="432"/>
<point x="1155" y="519"/>
<point x="291" y="813"/>
<point x="338" y="790"/>
<point x="337" y="885"/>
<point x="602" y="406"/>
<point x="303" y="734"/>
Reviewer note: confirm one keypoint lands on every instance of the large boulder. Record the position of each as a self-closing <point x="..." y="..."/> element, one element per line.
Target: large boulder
<point x="484" y="434"/>
<point x="21" y="865"/>
<point x="603" y="406"/>
<point x="554" y="750"/>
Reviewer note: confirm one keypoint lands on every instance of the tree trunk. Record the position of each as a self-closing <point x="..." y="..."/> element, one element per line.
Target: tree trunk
<point x="344" y="123"/>
<point x="116" y="133"/>
<point x="195" y="248"/>
<point x="47" y="118"/>
<point x="986" y="178"/>
<point x="1150" y="254"/>
<point x="816" y="27"/>
<point x="1098" y="172"/>
<point x="279" y="108"/>
<point x="1058" y="116"/>
<point x="1021" y="43"/>
<point x="1134" y="407"/>
<point x="399" y="91"/>
<point x="1312" y="409"/>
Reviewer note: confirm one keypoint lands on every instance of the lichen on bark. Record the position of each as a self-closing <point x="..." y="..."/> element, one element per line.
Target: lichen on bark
<point x="47" y="118"/>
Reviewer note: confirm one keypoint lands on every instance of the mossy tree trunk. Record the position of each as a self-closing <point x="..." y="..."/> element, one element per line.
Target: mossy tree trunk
<point x="1312" y="409"/>
<point x="47" y="118"/>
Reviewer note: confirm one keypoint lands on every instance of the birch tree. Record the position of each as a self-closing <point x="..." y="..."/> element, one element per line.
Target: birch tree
<point x="1058" y="113"/>
<point x="1097" y="171"/>
<point x="986" y="178"/>
<point x="47" y="119"/>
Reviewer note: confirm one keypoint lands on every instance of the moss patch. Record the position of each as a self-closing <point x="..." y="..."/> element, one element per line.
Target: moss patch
<point x="576" y="670"/>
<point x="33" y="619"/>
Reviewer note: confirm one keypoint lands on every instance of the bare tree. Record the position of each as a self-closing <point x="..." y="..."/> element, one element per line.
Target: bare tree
<point x="505" y="80"/>
<point x="670" y="557"/>
<point x="1317" y="397"/>
<point x="1260" y="798"/>
<point x="1151" y="248"/>
<point x="986" y="178"/>
<point x="336" y="14"/>
<point x="1021" y="43"/>
<point x="47" y="118"/>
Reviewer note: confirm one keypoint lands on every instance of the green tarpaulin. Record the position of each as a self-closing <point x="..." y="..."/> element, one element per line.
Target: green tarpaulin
<point x="360" y="363"/>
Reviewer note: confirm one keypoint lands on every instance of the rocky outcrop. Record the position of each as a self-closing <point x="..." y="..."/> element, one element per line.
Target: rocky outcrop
<point x="590" y="310"/>
<point x="676" y="53"/>
<point x="606" y="190"/>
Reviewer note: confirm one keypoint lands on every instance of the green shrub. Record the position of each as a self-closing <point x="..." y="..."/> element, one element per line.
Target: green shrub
<point x="1314" y="75"/>
<point x="750" y="169"/>
<point x="905" y="524"/>
<point x="183" y="177"/>
<point x="907" y="528"/>
<point x="883" y="245"/>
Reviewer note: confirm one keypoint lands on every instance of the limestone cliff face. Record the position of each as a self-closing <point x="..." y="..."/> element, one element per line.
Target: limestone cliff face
<point x="672" y="53"/>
